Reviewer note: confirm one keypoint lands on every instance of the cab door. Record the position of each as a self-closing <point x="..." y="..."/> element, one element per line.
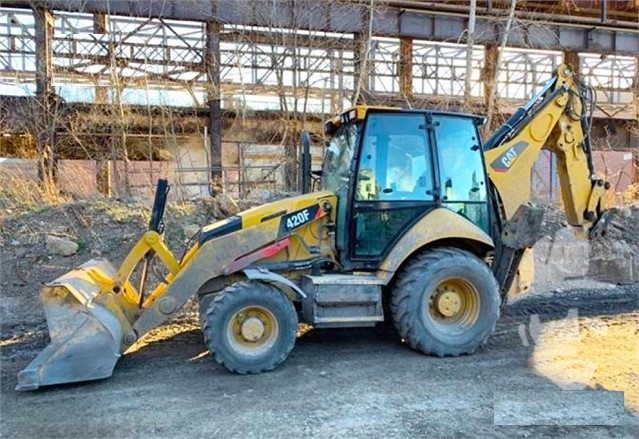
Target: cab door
<point x="461" y="167"/>
<point x="393" y="184"/>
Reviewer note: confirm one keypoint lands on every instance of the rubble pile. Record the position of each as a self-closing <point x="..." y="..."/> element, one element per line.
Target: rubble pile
<point x="614" y="258"/>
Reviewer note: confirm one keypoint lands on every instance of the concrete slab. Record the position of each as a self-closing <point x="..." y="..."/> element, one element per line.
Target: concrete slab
<point x="558" y="407"/>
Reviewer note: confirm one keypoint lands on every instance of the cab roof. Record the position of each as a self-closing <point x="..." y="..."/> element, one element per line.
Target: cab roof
<point x="358" y="113"/>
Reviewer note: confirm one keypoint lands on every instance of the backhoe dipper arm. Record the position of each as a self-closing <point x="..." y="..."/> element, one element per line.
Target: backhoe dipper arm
<point x="555" y="119"/>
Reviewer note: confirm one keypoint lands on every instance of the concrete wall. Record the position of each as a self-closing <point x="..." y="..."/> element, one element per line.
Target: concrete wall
<point x="78" y="177"/>
<point x="247" y="167"/>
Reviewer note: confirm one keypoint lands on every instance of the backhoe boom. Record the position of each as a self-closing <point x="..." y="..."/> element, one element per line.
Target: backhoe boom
<point x="556" y="119"/>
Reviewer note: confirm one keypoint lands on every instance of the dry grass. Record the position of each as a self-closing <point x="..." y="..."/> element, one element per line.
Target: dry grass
<point x="21" y="193"/>
<point x="631" y="194"/>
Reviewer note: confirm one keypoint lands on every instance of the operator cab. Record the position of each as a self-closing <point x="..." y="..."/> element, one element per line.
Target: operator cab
<point x="390" y="167"/>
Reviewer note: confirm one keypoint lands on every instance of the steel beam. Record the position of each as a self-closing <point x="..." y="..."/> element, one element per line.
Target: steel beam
<point x="445" y="23"/>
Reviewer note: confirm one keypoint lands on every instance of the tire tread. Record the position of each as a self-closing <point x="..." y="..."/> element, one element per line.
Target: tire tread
<point x="404" y="313"/>
<point x="219" y="305"/>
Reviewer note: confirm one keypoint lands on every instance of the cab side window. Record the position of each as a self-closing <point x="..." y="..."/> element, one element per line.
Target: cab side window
<point x="395" y="159"/>
<point x="461" y="167"/>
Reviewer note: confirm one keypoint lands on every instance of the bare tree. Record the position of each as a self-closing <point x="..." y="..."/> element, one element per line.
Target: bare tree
<point x="470" y="41"/>
<point x="492" y="98"/>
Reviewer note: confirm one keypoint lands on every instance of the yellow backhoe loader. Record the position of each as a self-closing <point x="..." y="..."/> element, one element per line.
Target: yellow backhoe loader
<point x="415" y="218"/>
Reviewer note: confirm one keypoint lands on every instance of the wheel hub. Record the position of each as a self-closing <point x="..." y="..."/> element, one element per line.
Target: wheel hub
<point x="448" y="303"/>
<point x="454" y="302"/>
<point x="252" y="329"/>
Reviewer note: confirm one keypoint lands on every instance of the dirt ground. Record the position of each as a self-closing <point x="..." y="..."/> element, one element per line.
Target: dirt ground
<point x="342" y="383"/>
<point x="336" y="383"/>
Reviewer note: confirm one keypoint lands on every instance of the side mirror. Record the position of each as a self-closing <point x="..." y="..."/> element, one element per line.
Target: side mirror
<point x="330" y="128"/>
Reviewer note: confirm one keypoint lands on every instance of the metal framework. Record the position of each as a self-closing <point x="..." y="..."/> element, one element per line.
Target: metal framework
<point x="299" y="56"/>
<point x="615" y="78"/>
<point x="157" y="61"/>
<point x="522" y="71"/>
<point x="563" y="27"/>
<point x="440" y="69"/>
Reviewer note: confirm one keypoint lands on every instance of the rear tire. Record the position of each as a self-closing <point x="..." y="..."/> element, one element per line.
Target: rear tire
<point x="249" y="327"/>
<point x="445" y="302"/>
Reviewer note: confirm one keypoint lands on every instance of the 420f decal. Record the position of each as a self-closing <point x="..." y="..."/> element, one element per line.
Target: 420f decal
<point x="293" y="220"/>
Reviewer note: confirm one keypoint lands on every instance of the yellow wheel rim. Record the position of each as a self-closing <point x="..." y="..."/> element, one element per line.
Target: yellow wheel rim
<point x="455" y="302"/>
<point x="252" y="330"/>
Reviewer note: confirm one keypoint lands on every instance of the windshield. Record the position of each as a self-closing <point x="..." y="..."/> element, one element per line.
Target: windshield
<point x="338" y="158"/>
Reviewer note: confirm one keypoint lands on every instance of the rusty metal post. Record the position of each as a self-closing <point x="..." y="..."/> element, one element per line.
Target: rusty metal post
<point x="43" y="23"/>
<point x="604" y="11"/>
<point x="406" y="68"/>
<point x="571" y="58"/>
<point x="214" y="102"/>
<point x="45" y="122"/>
<point x="470" y="40"/>
<point x="488" y="76"/>
<point x="361" y="68"/>
<point x="635" y="101"/>
<point x="100" y="27"/>
<point x="103" y="171"/>
<point x="492" y="109"/>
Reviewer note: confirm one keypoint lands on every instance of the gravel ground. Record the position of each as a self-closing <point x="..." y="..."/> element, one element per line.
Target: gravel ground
<point x="344" y="383"/>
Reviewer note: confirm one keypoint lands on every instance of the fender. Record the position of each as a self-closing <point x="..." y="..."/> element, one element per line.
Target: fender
<point x="439" y="224"/>
<point x="269" y="276"/>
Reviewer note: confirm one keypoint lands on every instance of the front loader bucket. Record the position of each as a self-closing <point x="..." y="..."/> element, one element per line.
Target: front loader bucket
<point x="85" y="326"/>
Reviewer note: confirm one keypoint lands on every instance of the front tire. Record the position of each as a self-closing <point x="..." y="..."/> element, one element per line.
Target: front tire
<point x="249" y="327"/>
<point x="445" y="302"/>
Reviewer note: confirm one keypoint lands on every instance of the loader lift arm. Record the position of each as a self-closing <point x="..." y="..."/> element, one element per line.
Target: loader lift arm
<point x="558" y="119"/>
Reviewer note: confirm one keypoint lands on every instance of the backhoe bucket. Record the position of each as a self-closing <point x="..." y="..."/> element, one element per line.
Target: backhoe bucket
<point x="85" y="325"/>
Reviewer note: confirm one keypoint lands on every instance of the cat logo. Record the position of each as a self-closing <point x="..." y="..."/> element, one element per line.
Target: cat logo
<point x="505" y="160"/>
